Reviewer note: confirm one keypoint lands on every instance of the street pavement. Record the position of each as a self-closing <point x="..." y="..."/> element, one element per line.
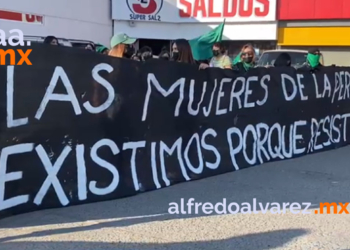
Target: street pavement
<point x="142" y="222"/>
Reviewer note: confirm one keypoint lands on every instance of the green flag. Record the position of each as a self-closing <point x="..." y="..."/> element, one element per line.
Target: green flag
<point x="237" y="59"/>
<point x="202" y="46"/>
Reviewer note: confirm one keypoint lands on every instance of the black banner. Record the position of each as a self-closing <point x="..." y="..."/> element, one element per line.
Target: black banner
<point x="77" y="127"/>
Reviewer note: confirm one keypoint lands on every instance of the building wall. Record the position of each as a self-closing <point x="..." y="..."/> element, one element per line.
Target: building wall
<point x="171" y="31"/>
<point x="74" y="19"/>
<point x="322" y="24"/>
<point x="172" y="19"/>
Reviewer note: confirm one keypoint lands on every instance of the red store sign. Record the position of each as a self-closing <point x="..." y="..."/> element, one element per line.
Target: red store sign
<point x="313" y="9"/>
<point x="227" y="8"/>
<point x="20" y="17"/>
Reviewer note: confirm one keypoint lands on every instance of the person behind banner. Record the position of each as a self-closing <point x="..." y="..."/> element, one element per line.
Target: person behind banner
<point x="136" y="57"/>
<point x="91" y="47"/>
<point x="146" y="53"/>
<point x="283" y="60"/>
<point x="219" y="59"/>
<point x="102" y="49"/>
<point x="164" y="55"/>
<point x="313" y="60"/>
<point x="122" y="46"/>
<point x="246" y="59"/>
<point x="181" y="52"/>
<point x="51" y="40"/>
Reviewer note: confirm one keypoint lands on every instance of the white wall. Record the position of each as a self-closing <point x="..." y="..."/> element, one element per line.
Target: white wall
<point x="74" y="19"/>
<point x="171" y="31"/>
<point x="170" y="25"/>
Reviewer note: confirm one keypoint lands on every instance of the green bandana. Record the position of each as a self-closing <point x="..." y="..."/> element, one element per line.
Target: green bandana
<point x="314" y="60"/>
<point x="247" y="66"/>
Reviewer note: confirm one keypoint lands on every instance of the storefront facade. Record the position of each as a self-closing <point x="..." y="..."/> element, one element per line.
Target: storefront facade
<point x="322" y="24"/>
<point x="71" y="19"/>
<point x="246" y="20"/>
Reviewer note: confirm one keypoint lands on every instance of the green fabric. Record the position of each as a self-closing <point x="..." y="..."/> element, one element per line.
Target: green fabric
<point x="247" y="66"/>
<point x="101" y="48"/>
<point x="202" y="46"/>
<point x="237" y="59"/>
<point x="314" y="60"/>
<point x="121" y="38"/>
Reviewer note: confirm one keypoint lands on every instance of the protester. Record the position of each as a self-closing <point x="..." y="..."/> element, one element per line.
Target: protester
<point x="283" y="60"/>
<point x="51" y="40"/>
<point x="122" y="46"/>
<point x="136" y="57"/>
<point x="312" y="60"/>
<point x="164" y="55"/>
<point x="219" y="59"/>
<point x="91" y="47"/>
<point x="146" y="53"/>
<point x="181" y="52"/>
<point x="102" y="49"/>
<point x="246" y="59"/>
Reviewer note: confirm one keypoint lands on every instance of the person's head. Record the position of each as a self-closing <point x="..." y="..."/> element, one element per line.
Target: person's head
<point x="181" y="51"/>
<point x="283" y="60"/>
<point x="164" y="55"/>
<point x="218" y="49"/>
<point x="313" y="57"/>
<point x="122" y="46"/>
<point x="248" y="54"/>
<point x="102" y="49"/>
<point x="136" y="57"/>
<point x="91" y="47"/>
<point x="146" y="53"/>
<point x="51" y="40"/>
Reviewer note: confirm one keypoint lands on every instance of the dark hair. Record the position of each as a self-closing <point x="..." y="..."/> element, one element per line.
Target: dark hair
<point x="145" y="49"/>
<point x="221" y="47"/>
<point x="314" y="50"/>
<point x="145" y="53"/>
<point x="135" y="56"/>
<point x="283" y="60"/>
<point x="185" y="52"/>
<point x="164" y="55"/>
<point x="49" y="39"/>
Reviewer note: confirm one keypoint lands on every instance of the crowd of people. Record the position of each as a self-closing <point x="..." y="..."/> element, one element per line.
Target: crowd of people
<point x="122" y="46"/>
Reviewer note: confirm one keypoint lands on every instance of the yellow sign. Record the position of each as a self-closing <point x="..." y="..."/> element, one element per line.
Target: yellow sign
<point x="314" y="36"/>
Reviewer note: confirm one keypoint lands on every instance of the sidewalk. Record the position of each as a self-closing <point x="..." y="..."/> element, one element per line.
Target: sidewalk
<point x="141" y="222"/>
